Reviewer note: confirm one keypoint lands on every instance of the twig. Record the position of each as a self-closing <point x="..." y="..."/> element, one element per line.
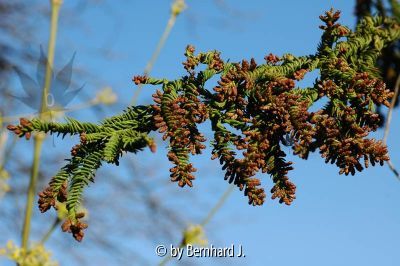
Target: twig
<point x="387" y="125"/>
<point x="85" y="105"/>
<point x="38" y="139"/>
<point x="46" y="236"/>
<point x="218" y="206"/>
<point x="208" y="218"/>
<point x="177" y="7"/>
<point x="395" y="172"/>
<point x="390" y="112"/>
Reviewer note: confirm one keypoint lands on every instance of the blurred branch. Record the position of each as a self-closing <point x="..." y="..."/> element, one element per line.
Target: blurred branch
<point x="206" y="220"/>
<point x="218" y="205"/>
<point x="38" y="139"/>
<point x="177" y="7"/>
<point x="7" y="153"/>
<point x="390" y="112"/>
<point x="48" y="113"/>
<point x="47" y="235"/>
<point x="387" y="125"/>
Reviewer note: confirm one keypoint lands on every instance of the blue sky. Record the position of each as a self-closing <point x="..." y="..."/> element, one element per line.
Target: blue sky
<point x="335" y="220"/>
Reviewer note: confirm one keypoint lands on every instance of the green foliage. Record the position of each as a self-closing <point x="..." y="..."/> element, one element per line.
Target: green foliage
<point x="261" y="103"/>
<point x="107" y="141"/>
<point x="388" y="62"/>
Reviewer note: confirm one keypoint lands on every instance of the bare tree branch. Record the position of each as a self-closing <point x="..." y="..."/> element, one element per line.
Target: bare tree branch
<point x="387" y="125"/>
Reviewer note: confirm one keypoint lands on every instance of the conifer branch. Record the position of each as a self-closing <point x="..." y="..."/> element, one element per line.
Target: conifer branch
<point x="263" y="105"/>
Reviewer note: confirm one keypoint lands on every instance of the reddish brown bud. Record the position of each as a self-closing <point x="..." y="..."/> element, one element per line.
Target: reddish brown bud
<point x="140" y="79"/>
